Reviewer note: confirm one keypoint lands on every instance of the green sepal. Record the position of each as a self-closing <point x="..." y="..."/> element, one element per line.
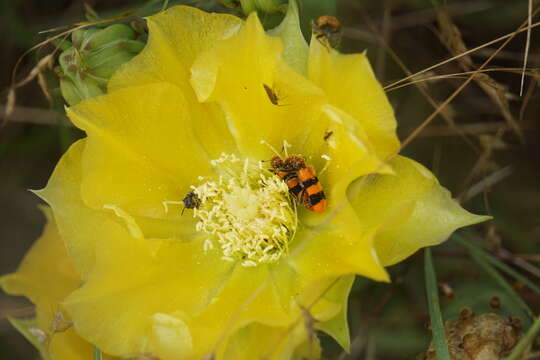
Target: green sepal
<point x="78" y="36"/>
<point x="295" y="47"/>
<point x="69" y="91"/>
<point x="103" y="63"/>
<point x="108" y="35"/>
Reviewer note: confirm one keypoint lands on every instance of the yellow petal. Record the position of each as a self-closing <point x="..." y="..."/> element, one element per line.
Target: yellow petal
<point x="176" y="37"/>
<point x="136" y="299"/>
<point x="271" y="295"/>
<point x="138" y="154"/>
<point x="46" y="277"/>
<point x="66" y="345"/>
<point x="69" y="345"/>
<point x="249" y="295"/>
<point x="349" y="84"/>
<point x="236" y="79"/>
<point x="171" y="337"/>
<point x="258" y="341"/>
<point x="338" y="326"/>
<point x="338" y="246"/>
<point x="350" y="154"/>
<point x="26" y="327"/>
<point x="47" y="260"/>
<point x="76" y="223"/>
<point x="413" y="208"/>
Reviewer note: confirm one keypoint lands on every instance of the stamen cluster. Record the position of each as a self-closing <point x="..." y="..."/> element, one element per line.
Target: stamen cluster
<point x="247" y="210"/>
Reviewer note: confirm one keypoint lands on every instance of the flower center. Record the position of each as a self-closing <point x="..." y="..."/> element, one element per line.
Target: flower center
<point x="247" y="210"/>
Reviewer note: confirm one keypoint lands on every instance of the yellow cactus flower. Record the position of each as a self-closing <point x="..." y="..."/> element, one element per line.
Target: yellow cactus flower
<point x="188" y="242"/>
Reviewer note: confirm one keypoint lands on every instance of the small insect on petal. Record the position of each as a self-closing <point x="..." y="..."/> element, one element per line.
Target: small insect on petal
<point x="327" y="135"/>
<point x="191" y="201"/>
<point x="302" y="181"/>
<point x="328" y="29"/>
<point x="272" y="96"/>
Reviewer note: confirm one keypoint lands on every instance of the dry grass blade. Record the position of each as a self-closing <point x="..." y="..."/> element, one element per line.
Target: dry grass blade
<point x="423" y="17"/>
<point x="446" y="115"/>
<point x="33" y="115"/>
<point x="499" y="39"/>
<point x="528" y="96"/>
<point x="473" y="248"/>
<point x="37" y="71"/>
<point x="490" y="143"/>
<point x="44" y="87"/>
<point x="527" y="46"/>
<point x="462" y="86"/>
<point x="23" y="312"/>
<point x="485" y="183"/>
<point x="519" y="261"/>
<point x="472" y="129"/>
<point x="451" y="37"/>
<point x="428" y="77"/>
<point x="10" y="104"/>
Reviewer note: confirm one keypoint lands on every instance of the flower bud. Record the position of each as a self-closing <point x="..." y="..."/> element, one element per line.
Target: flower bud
<point x="107" y="36"/>
<point x="69" y="91"/>
<point x="95" y="54"/>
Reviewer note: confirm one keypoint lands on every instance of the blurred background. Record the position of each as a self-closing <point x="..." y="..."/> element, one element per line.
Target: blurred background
<point x="484" y="147"/>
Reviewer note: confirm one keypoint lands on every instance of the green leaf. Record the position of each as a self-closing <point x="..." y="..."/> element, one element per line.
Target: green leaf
<point x="439" y="337"/>
<point x="295" y="47"/>
<point x="491" y="271"/>
<point x="97" y="354"/>
<point x="496" y="263"/>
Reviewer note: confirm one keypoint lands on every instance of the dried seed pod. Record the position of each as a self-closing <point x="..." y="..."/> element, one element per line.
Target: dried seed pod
<point x="478" y="337"/>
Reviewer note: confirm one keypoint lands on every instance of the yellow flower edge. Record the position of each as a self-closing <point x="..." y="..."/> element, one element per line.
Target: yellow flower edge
<point x="46" y="276"/>
<point x="152" y="285"/>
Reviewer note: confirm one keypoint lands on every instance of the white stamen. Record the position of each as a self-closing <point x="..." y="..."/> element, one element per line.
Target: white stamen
<point x="286" y="145"/>
<point x="208" y="245"/>
<point x="248" y="212"/>
<point x="328" y="159"/>
<point x="167" y="202"/>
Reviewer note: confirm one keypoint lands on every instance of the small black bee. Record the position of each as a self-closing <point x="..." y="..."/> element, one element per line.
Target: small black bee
<point x="191" y="201"/>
